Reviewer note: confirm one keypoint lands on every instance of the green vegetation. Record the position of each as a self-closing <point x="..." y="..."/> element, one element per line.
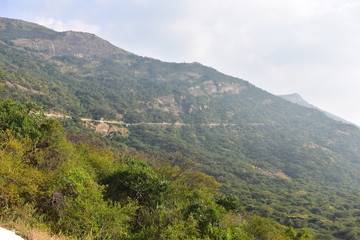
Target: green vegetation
<point x="279" y="160"/>
<point x="89" y="192"/>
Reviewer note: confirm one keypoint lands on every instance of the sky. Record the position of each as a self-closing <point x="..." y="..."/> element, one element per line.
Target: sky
<point x="310" y="47"/>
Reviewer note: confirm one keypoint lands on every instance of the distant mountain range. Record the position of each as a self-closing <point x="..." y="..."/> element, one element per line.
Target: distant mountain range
<point x="296" y="98"/>
<point x="287" y="161"/>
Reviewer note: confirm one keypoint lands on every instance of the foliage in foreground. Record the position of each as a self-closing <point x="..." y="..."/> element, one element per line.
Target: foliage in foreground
<point x="88" y="192"/>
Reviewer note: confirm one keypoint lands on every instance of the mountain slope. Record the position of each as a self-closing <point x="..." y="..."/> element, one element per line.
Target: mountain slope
<point x="283" y="160"/>
<point x="296" y="98"/>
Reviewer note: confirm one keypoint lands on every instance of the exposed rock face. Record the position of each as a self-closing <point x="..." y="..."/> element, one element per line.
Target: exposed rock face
<point x="278" y="174"/>
<point x="190" y="76"/>
<point x="107" y="131"/>
<point x="167" y="104"/>
<point x="103" y="129"/>
<point x="72" y="43"/>
<point x="206" y="88"/>
<point x="267" y="101"/>
<point x="210" y="88"/>
<point x="177" y="106"/>
<point x="171" y="105"/>
<point x="22" y="89"/>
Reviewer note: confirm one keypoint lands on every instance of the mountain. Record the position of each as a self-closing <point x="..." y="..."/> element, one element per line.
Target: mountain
<point x="282" y="160"/>
<point x="296" y="98"/>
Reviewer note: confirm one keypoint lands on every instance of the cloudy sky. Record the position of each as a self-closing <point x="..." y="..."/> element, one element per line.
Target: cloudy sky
<point x="311" y="47"/>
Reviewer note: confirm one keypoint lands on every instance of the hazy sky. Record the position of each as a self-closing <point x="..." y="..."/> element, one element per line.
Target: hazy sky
<point x="311" y="47"/>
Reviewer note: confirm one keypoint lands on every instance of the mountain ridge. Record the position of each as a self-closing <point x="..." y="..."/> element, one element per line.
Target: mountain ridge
<point x="296" y="98"/>
<point x="80" y="44"/>
<point x="259" y="139"/>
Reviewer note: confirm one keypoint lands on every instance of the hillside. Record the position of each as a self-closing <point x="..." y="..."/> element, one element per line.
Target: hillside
<point x="282" y="160"/>
<point x="75" y="186"/>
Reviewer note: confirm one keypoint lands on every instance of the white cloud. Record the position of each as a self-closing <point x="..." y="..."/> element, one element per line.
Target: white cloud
<point x="309" y="46"/>
<point x="75" y="25"/>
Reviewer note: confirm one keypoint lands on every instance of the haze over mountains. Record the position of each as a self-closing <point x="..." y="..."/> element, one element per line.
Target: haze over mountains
<point x="296" y="98"/>
<point x="285" y="161"/>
